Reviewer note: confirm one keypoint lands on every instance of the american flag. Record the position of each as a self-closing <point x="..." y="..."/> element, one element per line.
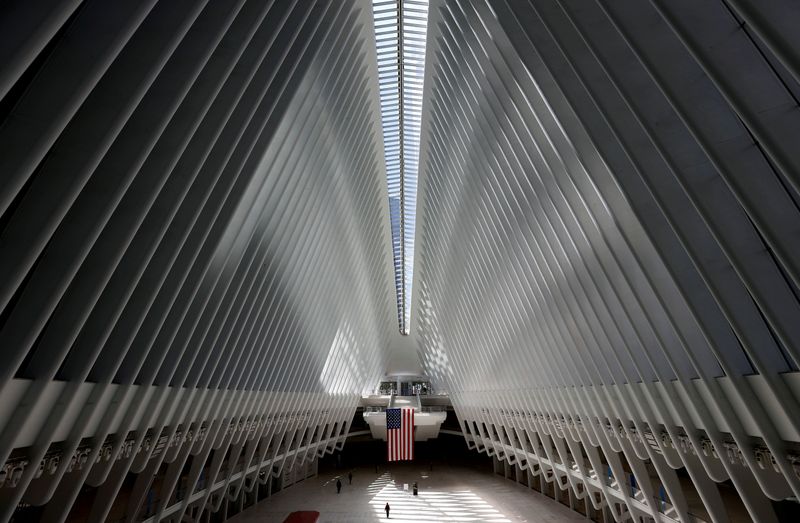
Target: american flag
<point x="400" y="434"/>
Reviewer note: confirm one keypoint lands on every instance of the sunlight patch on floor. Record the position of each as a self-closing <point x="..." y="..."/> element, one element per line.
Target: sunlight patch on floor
<point x="429" y="505"/>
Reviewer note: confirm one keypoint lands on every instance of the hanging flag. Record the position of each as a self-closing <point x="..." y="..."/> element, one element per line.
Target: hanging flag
<point x="400" y="434"/>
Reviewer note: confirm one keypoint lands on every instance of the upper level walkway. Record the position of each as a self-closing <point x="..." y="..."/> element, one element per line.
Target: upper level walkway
<point x="429" y="414"/>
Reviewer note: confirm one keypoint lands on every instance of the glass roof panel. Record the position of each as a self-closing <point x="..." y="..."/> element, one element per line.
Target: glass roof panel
<point x="400" y="35"/>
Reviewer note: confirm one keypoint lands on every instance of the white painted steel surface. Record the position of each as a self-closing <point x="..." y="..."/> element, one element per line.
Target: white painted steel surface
<point x="196" y="267"/>
<point x="193" y="249"/>
<point x="606" y="266"/>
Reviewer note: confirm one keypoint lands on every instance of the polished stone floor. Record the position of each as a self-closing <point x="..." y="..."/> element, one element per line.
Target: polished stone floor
<point x="445" y="494"/>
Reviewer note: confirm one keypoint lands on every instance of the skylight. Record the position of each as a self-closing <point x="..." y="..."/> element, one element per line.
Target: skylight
<point x="400" y="31"/>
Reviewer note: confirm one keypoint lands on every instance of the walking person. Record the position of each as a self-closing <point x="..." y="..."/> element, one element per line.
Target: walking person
<point x="386" y="508"/>
<point x="338" y="485"/>
<point x="350" y="478"/>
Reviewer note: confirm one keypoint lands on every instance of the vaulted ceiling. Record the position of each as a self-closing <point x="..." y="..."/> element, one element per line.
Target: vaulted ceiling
<point x="213" y="213"/>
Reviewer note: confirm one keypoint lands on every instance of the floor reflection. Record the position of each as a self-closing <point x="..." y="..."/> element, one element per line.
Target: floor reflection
<point x="429" y="505"/>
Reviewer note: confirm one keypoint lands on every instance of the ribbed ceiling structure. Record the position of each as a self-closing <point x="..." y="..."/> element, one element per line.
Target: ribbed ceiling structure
<point x="607" y="247"/>
<point x="197" y="275"/>
<point x="189" y="189"/>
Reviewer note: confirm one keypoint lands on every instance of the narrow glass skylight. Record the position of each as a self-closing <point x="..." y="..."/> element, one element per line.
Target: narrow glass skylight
<point x="400" y="33"/>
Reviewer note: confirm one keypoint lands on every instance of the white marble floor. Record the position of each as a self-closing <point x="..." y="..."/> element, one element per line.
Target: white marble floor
<point x="445" y="494"/>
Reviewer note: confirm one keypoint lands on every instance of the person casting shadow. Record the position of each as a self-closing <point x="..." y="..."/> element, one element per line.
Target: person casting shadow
<point x="386" y="508"/>
<point x="338" y="486"/>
